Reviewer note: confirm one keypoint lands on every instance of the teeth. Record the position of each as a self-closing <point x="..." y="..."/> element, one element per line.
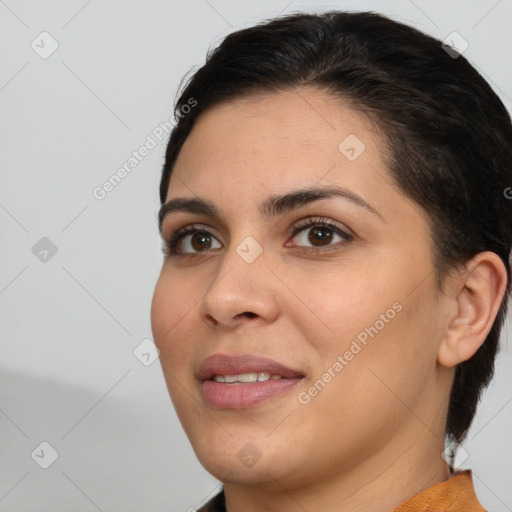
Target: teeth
<point x="246" y="377"/>
<point x="243" y="377"/>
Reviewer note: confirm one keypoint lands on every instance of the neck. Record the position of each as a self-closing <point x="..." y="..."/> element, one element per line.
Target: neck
<point x="402" y="468"/>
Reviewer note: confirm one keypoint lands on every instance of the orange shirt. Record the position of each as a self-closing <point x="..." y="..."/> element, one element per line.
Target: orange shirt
<point x="456" y="494"/>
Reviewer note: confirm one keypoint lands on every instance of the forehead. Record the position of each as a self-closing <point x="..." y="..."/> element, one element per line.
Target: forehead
<point x="270" y="139"/>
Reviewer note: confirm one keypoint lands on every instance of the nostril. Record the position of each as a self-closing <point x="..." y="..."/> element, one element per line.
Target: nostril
<point x="209" y="318"/>
<point x="250" y="314"/>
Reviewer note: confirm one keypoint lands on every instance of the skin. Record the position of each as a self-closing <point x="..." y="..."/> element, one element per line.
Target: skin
<point x="373" y="436"/>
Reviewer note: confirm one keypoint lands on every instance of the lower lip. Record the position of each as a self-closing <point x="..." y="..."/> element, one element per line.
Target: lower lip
<point x="239" y="396"/>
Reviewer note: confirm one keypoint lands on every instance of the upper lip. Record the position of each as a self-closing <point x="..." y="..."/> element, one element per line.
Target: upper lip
<point x="222" y="364"/>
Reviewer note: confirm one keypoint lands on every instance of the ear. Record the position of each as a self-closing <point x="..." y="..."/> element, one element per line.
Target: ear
<point x="480" y="288"/>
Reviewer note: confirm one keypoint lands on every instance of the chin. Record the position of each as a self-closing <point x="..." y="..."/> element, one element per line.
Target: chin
<point x="239" y="460"/>
<point x="228" y="469"/>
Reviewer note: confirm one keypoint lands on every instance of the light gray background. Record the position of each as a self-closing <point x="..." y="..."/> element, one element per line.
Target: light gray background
<point x="69" y="325"/>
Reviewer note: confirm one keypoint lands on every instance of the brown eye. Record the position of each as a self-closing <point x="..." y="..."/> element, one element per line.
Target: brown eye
<point x="322" y="235"/>
<point x="200" y="241"/>
<point x="191" y="240"/>
<point x="196" y="242"/>
<point x="319" y="235"/>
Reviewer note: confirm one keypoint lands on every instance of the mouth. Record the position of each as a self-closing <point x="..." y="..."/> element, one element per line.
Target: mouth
<point x="237" y="382"/>
<point x="246" y="378"/>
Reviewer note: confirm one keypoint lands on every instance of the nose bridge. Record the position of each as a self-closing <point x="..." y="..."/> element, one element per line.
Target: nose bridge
<point x="242" y="285"/>
<point x="244" y="257"/>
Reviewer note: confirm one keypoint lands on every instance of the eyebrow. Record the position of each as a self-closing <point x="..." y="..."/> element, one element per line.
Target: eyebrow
<point x="271" y="207"/>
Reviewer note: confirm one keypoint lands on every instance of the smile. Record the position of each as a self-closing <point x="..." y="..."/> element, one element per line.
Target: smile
<point x="246" y="377"/>
<point x="238" y="382"/>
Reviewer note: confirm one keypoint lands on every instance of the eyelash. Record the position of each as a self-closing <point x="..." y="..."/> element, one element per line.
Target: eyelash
<point x="171" y="245"/>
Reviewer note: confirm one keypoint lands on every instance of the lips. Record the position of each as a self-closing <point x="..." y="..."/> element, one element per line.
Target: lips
<point x="229" y="393"/>
<point x="220" y="364"/>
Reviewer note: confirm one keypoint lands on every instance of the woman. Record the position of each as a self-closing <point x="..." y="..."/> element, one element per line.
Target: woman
<point x="337" y="239"/>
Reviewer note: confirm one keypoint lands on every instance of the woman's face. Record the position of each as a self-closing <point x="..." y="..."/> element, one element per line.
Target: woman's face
<point x="335" y="291"/>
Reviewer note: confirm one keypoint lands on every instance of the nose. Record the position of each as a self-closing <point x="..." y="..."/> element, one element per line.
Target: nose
<point x="240" y="292"/>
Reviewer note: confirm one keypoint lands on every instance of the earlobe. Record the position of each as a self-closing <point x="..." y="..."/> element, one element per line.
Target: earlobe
<point x="482" y="286"/>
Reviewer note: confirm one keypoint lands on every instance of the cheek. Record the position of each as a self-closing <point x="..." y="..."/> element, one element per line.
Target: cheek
<point x="378" y="367"/>
<point x="374" y="322"/>
<point x="163" y="314"/>
<point x="341" y="305"/>
<point x="170" y="307"/>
